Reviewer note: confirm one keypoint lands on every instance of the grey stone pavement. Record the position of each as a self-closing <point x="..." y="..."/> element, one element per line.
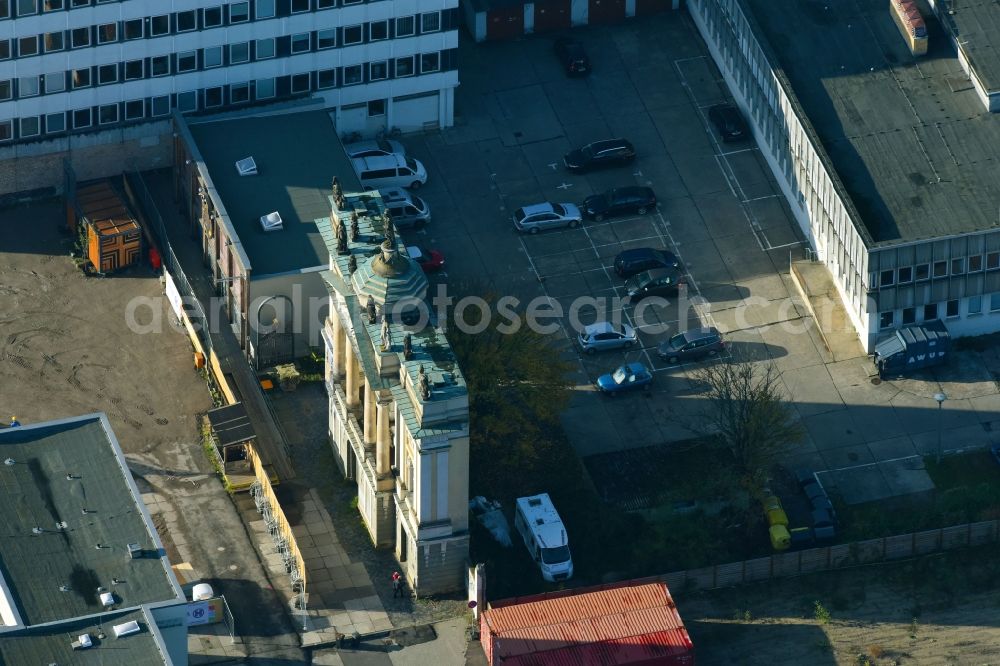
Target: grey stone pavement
<point x="445" y="643"/>
<point x="720" y="211"/>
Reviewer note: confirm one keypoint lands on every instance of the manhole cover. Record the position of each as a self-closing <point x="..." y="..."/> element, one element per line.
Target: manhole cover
<point x="876" y="381"/>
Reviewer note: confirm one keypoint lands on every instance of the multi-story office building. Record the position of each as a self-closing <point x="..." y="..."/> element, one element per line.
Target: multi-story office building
<point x="888" y="160"/>
<point x="80" y="73"/>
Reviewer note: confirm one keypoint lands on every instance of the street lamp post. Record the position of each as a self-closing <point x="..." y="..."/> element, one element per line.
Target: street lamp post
<point x="940" y="397"/>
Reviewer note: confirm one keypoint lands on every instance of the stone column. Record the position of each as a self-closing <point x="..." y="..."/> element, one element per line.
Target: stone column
<point x="369" y="425"/>
<point x="339" y="339"/>
<point x="352" y="374"/>
<point x="383" y="442"/>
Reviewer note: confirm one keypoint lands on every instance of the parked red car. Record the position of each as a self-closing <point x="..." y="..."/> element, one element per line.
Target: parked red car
<point x="429" y="260"/>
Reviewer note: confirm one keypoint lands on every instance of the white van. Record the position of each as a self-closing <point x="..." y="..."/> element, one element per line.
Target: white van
<point x="389" y="171"/>
<point x="407" y="210"/>
<point x="538" y="523"/>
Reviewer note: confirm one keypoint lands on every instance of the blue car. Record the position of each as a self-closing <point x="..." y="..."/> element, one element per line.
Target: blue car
<point x="626" y="378"/>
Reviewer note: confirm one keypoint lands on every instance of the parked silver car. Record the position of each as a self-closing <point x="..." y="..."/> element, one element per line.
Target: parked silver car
<point x="604" y="335"/>
<point x="539" y="217"/>
<point x="375" y="148"/>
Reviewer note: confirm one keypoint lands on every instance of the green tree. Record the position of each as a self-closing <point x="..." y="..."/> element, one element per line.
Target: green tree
<point x="748" y="413"/>
<point x="518" y="387"/>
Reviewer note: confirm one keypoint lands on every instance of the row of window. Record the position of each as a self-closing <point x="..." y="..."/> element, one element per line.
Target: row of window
<point x="198" y="100"/>
<point x="210" y="58"/>
<point x="108" y="33"/>
<point x="240" y="9"/>
<point x="939" y="269"/>
<point x="951" y="310"/>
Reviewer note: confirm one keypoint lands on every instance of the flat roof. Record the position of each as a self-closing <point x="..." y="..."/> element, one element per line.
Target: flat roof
<point x="52" y="644"/>
<point x="50" y="473"/>
<point x="908" y="137"/>
<point x="975" y="24"/>
<point x="297" y="155"/>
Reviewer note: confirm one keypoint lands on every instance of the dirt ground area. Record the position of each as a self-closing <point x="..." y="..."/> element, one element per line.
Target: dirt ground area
<point x="943" y="609"/>
<point x="66" y="349"/>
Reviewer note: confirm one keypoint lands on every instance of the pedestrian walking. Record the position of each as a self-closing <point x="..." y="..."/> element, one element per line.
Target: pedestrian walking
<point x="397" y="585"/>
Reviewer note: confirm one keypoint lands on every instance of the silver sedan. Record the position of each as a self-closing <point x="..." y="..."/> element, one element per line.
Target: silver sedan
<point x="605" y="335"/>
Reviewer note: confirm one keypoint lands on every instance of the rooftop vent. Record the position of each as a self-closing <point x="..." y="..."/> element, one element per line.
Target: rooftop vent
<point x="126" y="629"/>
<point x="107" y="599"/>
<point x="534" y="501"/>
<point x="65" y="588"/>
<point x="271" y="222"/>
<point x="82" y="642"/>
<point x="539" y="521"/>
<point x="134" y="551"/>
<point x="247" y="167"/>
<point x="9" y="461"/>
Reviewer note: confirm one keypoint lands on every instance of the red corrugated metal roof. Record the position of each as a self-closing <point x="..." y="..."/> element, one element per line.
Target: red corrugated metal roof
<point x="618" y="624"/>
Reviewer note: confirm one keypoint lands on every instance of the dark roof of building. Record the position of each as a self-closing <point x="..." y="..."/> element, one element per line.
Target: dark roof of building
<point x="51" y="473"/>
<point x="52" y="644"/>
<point x="231" y="424"/>
<point x="908" y="137"/>
<point x="976" y="25"/>
<point x="297" y="155"/>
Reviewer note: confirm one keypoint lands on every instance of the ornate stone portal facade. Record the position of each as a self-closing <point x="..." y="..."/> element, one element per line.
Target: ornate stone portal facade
<point x="399" y="408"/>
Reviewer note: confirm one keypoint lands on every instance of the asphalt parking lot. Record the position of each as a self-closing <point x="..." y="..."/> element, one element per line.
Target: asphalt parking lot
<point x="720" y="211"/>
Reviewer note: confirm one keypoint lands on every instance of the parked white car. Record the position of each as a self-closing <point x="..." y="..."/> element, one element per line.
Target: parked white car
<point x="375" y="148"/>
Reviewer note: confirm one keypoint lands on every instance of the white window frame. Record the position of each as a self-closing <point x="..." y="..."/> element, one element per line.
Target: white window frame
<point x="413" y="66"/>
<point x="361" y="76"/>
<point x="243" y="86"/>
<point x="9" y="125"/>
<point x="152" y="24"/>
<point x="413" y="26"/>
<point x="437" y="67"/>
<point x="133" y="22"/>
<point x="308" y="87"/>
<point x="205" y="22"/>
<point x="90" y="118"/>
<point x="194" y="15"/>
<point x="60" y="82"/>
<point x="111" y="67"/>
<point x="72" y="78"/>
<point x="205" y="63"/>
<point x="193" y="54"/>
<point x="293" y="10"/>
<point x="300" y="35"/>
<point x="153" y="103"/>
<point x="142" y="69"/>
<point x="34" y="5"/>
<point x="265" y="9"/>
<point x="28" y="39"/>
<point x="62" y="42"/>
<point x="48" y="122"/>
<point x="191" y="99"/>
<point x="222" y="97"/>
<point x="385" y="68"/>
<point x="10" y="90"/>
<point x="246" y="7"/>
<point x="72" y="37"/>
<point x="100" y="39"/>
<point x="234" y="61"/>
<point x="21" y="80"/>
<point x="152" y="67"/>
<point x="361" y="35"/>
<point x="257" y="50"/>
<point x="372" y="37"/>
<point x="424" y="17"/>
<point x="38" y="126"/>
<point x="332" y="37"/>
<point x="257" y="94"/>
<point x="100" y="110"/>
<point x="134" y="101"/>
<point x="319" y="85"/>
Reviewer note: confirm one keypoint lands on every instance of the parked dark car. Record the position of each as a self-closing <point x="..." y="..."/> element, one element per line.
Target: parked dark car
<point x="640" y="259"/>
<point x="691" y="345"/>
<point x="657" y="282"/>
<point x="729" y="122"/>
<point x="619" y="201"/>
<point x="572" y="56"/>
<point x="628" y="377"/>
<point x="599" y="154"/>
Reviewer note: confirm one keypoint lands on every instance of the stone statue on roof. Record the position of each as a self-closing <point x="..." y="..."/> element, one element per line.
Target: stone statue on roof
<point x="370" y="308"/>
<point x="352" y="265"/>
<point x="424" y="383"/>
<point x="386" y="335"/>
<point x="341" y="237"/>
<point x="355" y="229"/>
<point x="407" y="347"/>
<point x="338" y="193"/>
<point x="390" y="230"/>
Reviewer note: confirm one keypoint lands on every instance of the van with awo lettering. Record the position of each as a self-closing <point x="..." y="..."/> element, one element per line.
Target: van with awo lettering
<point x="541" y="528"/>
<point x="912" y="348"/>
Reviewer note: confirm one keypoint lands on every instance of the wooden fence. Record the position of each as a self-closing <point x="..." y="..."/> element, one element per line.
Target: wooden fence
<point x="840" y="556"/>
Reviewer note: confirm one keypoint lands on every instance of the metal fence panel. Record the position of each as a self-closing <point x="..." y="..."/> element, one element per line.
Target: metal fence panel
<point x="842" y="555"/>
<point x="785" y="564"/>
<point x="814" y="559"/>
<point x="872" y="550"/>
<point x="727" y="575"/>
<point x="925" y="542"/>
<point x="980" y="533"/>
<point x="899" y="546"/>
<point x="759" y="569"/>
<point x="954" y="537"/>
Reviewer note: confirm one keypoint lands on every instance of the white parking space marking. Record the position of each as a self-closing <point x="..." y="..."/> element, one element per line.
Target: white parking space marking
<point x="721" y="157"/>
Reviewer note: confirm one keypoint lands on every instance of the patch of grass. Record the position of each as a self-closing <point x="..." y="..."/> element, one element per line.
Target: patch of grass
<point x="820" y="613"/>
<point x="968" y="469"/>
<point x="208" y="446"/>
<point x="312" y="368"/>
<point x="967" y="489"/>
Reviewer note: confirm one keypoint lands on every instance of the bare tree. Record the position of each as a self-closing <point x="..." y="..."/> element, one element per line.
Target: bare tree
<point x="748" y="413"/>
